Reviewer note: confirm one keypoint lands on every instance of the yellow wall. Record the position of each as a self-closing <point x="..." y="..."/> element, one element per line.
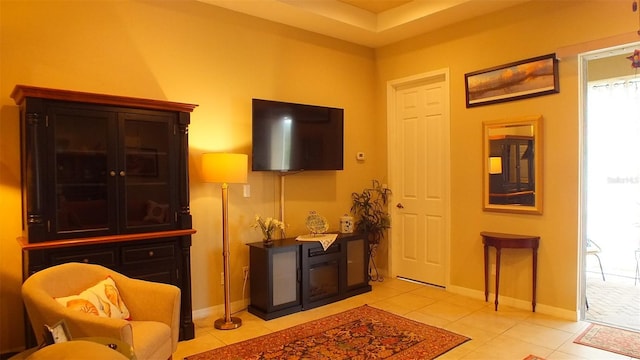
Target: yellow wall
<point x="533" y="29"/>
<point x="188" y="52"/>
<point x="192" y="52"/>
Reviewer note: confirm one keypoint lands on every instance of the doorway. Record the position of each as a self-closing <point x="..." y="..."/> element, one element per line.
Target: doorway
<point x="418" y="123"/>
<point x="611" y="189"/>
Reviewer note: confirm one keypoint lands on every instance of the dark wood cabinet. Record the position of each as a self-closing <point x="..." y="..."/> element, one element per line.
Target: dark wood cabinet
<point x="105" y="181"/>
<point x="274" y="274"/>
<point x="291" y="275"/>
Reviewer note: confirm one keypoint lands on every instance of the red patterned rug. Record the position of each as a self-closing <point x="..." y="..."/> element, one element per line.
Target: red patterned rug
<point x="361" y="333"/>
<point x="620" y="341"/>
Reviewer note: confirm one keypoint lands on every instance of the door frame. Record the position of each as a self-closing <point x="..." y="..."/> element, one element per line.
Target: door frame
<point x="583" y="81"/>
<point x="392" y="140"/>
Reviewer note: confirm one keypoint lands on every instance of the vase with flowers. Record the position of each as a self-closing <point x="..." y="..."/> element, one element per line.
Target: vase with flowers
<point x="268" y="226"/>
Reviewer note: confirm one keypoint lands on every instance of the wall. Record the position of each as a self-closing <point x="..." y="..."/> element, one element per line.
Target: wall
<point x="190" y="52"/>
<point x="533" y="29"/>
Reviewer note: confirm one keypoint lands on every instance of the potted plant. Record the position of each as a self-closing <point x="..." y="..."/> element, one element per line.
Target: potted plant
<point x="369" y="207"/>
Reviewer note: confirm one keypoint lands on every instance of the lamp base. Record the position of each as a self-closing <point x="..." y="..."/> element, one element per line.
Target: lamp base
<point x="222" y="324"/>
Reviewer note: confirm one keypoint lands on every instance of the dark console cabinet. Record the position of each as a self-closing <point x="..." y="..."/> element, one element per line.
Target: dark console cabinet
<point x="275" y="279"/>
<point x="105" y="181"/>
<point x="291" y="275"/>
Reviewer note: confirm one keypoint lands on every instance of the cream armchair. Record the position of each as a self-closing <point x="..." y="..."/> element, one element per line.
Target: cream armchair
<point x="152" y="330"/>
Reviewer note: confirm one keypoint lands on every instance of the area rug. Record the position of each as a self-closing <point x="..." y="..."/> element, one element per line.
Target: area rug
<point x="624" y="342"/>
<point x="361" y="333"/>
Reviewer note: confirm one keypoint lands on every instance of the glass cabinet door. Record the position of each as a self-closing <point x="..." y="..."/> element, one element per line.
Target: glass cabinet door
<point x="81" y="169"/>
<point x="356" y="262"/>
<point x="147" y="163"/>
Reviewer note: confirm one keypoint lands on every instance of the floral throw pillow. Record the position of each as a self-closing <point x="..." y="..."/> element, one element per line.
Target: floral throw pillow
<point x="103" y="299"/>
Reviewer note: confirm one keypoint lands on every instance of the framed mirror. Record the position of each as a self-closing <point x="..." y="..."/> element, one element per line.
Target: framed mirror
<point x="512" y="159"/>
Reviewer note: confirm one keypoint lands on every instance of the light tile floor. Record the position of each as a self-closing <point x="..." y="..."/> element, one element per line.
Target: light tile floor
<point x="506" y="334"/>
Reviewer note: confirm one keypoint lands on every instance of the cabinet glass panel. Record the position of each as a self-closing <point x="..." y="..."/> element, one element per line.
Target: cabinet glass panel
<point x="80" y="142"/>
<point x="355" y="262"/>
<point x="147" y="166"/>
<point x="285" y="289"/>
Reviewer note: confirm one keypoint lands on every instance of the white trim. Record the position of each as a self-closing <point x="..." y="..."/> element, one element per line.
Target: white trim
<point x="612" y="46"/>
<point x="236" y="306"/>
<point x="515" y="303"/>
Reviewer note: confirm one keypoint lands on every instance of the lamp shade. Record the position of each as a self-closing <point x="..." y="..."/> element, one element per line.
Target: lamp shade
<point x="495" y="165"/>
<point x="224" y="168"/>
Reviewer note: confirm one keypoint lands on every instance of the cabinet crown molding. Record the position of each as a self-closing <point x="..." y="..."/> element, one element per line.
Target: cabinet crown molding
<point x="20" y="92"/>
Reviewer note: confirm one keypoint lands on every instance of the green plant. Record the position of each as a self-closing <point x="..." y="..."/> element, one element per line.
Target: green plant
<point x="370" y="209"/>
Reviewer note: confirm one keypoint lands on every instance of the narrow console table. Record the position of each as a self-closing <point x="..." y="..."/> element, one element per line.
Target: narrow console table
<point x="501" y="241"/>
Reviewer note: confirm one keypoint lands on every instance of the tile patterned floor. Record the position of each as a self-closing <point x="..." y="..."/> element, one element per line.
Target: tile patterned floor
<point x="614" y="301"/>
<point x="506" y="334"/>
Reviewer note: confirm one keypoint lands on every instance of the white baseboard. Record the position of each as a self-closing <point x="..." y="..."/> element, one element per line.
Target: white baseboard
<point x="240" y="305"/>
<point x="516" y="303"/>
<point x="218" y="310"/>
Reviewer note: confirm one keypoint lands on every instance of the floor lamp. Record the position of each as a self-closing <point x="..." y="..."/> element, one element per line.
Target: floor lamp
<point x="225" y="168"/>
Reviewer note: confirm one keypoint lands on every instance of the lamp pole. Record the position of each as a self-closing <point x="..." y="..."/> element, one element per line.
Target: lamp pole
<point x="228" y="322"/>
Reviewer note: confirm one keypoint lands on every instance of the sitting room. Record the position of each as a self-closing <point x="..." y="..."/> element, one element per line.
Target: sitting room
<point x="109" y="108"/>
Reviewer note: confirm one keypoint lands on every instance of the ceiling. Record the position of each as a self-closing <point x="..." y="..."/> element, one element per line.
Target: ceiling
<point x="372" y="23"/>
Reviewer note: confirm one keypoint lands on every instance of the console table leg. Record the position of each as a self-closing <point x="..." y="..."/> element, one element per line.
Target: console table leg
<point x="497" y="275"/>
<point x="535" y="277"/>
<point x="486" y="273"/>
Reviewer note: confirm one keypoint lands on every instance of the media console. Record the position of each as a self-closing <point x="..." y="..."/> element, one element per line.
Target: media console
<point x="290" y="276"/>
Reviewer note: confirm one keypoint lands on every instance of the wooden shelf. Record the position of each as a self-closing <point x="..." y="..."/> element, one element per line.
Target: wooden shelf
<point x="26" y="246"/>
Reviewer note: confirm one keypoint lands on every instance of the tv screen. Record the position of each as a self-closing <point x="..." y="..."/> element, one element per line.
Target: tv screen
<point x="296" y="137"/>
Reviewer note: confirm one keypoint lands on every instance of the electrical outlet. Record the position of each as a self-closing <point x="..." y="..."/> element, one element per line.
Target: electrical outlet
<point x="222" y="278"/>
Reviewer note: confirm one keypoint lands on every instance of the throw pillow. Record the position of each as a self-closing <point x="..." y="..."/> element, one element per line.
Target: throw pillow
<point x="102" y="299"/>
<point x="156" y="212"/>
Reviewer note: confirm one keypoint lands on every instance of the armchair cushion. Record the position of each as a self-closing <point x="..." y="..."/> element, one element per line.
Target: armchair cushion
<point x="102" y="299"/>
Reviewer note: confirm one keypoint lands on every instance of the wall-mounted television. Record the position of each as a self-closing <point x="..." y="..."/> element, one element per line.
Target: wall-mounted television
<point x="296" y="137"/>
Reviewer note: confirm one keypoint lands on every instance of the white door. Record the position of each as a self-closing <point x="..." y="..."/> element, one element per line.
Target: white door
<point x="419" y="176"/>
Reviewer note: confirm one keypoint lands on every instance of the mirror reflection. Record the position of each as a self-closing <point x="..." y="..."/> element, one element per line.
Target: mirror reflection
<point x="512" y="159"/>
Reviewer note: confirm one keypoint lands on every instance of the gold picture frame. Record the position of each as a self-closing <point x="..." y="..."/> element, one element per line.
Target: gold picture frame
<point x="517" y="80"/>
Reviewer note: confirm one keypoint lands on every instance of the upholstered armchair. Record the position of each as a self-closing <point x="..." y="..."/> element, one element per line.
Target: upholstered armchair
<point x="154" y="308"/>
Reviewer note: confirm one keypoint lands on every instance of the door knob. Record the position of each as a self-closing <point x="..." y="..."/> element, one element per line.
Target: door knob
<point x="400" y="206"/>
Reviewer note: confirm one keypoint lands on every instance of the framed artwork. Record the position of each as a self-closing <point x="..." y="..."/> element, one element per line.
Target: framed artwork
<point x="517" y="80"/>
<point x="142" y="162"/>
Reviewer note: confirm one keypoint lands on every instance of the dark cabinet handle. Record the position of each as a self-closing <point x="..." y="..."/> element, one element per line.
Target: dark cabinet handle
<point x="400" y="206"/>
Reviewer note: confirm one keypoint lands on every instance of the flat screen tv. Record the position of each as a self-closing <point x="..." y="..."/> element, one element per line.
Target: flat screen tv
<point x="296" y="137"/>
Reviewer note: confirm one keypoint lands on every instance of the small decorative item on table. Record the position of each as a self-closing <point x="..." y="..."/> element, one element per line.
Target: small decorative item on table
<point x="318" y="227"/>
<point x="267" y="226"/>
<point x="316" y="223"/>
<point x="346" y="224"/>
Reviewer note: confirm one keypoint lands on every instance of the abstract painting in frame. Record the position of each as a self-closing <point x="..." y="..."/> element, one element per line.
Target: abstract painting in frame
<point x="517" y="80"/>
